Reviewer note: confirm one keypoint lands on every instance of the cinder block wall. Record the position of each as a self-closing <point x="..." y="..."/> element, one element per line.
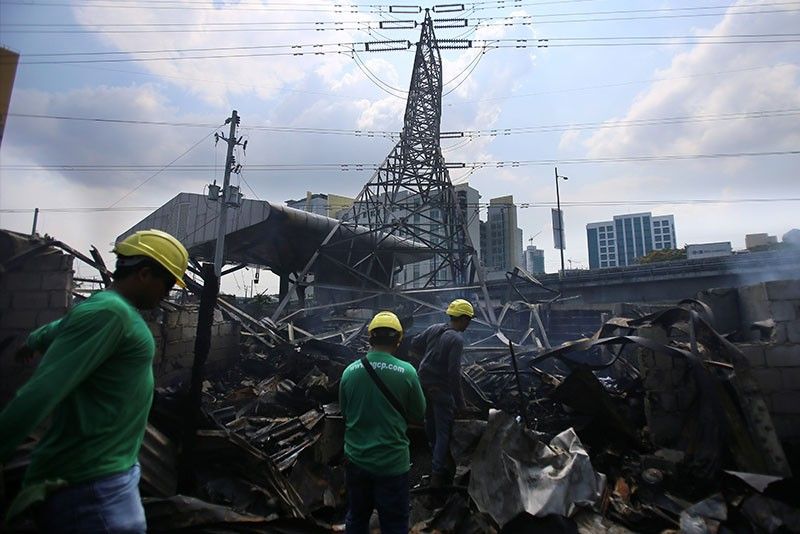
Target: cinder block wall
<point x="669" y="390"/>
<point x="776" y="362"/>
<point x="779" y="301"/>
<point x="175" y="337"/>
<point x="777" y="369"/>
<point x="39" y="290"/>
<point x="34" y="292"/>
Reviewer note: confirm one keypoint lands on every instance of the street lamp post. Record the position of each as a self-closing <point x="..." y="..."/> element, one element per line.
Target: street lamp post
<point x="560" y="221"/>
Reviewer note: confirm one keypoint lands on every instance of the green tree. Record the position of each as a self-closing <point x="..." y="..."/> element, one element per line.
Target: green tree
<point x="670" y="254"/>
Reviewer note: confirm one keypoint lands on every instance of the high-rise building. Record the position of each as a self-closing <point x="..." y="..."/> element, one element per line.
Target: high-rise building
<point x="502" y="245"/>
<point x="469" y="201"/>
<point x="621" y="241"/>
<point x="498" y="239"/>
<point x="534" y="260"/>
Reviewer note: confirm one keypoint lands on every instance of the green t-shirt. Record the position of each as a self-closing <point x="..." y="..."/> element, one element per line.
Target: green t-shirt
<point x="96" y="378"/>
<point x="375" y="433"/>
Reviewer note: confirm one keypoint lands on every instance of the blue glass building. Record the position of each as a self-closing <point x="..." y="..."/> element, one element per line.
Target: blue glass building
<point x="627" y="237"/>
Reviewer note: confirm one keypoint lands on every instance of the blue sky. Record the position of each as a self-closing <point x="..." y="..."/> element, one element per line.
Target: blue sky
<point x="710" y="92"/>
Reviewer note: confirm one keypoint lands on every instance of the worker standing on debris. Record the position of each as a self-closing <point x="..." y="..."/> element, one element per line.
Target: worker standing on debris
<point x="440" y="346"/>
<point x="379" y="394"/>
<point x="96" y="380"/>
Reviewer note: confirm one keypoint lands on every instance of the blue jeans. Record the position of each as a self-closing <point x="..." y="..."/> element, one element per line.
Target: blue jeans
<point x="107" y="504"/>
<point x="367" y="491"/>
<point x="439" y="416"/>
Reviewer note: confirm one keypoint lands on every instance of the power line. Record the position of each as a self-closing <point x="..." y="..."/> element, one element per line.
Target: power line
<point x="451" y="103"/>
<point x="481" y="205"/>
<point x="210" y="3"/>
<point x="547" y="43"/>
<point x="315" y="27"/>
<point x="498" y="132"/>
<point x="472" y="65"/>
<point x="349" y="8"/>
<point x="730" y="8"/>
<point x="350" y="50"/>
<point x="183" y="58"/>
<point x="205" y="80"/>
<point x="163" y="168"/>
<point x="524" y="20"/>
<point x="81" y="210"/>
<point x="493" y="132"/>
<point x="292" y="167"/>
<point x="342" y="8"/>
<point x="113" y="121"/>
<point x="371" y="76"/>
<point x="181" y="7"/>
<point x="362" y="46"/>
<point x="617" y="84"/>
<point x="646" y="17"/>
<point x="185" y="50"/>
<point x="517" y="3"/>
<point x="348" y="4"/>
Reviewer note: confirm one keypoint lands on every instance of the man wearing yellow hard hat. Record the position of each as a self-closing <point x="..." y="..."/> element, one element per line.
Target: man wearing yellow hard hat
<point x="96" y="381"/>
<point x="440" y="346"/>
<point x="379" y="394"/>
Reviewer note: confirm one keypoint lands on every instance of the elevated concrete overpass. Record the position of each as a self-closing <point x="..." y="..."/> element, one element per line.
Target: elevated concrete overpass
<point x="663" y="281"/>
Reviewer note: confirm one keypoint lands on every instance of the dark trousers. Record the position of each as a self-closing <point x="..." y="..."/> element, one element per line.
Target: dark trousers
<point x="367" y="491"/>
<point x="439" y="416"/>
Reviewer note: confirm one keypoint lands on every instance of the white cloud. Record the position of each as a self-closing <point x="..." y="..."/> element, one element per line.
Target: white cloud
<point x="261" y="72"/>
<point x="569" y="139"/>
<point x="756" y="77"/>
<point x="58" y="142"/>
<point x="384" y="114"/>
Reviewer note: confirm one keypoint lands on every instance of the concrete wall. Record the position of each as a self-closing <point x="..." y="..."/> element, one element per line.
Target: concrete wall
<point x="777" y="368"/>
<point x="669" y="391"/>
<point x="39" y="289"/>
<point x="664" y="281"/>
<point x="776" y="361"/>
<point x="779" y="301"/>
<point x="32" y="293"/>
<point x="175" y="337"/>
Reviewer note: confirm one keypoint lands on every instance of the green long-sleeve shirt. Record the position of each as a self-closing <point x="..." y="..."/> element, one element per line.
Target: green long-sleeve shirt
<point x="375" y="433"/>
<point x="96" y="378"/>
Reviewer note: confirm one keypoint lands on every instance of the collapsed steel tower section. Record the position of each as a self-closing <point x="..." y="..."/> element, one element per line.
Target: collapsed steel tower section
<point x="411" y="195"/>
<point x="421" y="248"/>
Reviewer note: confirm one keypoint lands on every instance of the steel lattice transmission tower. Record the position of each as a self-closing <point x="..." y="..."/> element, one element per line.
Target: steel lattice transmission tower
<point x="411" y="195"/>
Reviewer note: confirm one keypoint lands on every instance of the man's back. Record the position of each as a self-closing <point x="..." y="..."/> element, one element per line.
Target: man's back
<point x="441" y="348"/>
<point x="96" y="377"/>
<point x="375" y="434"/>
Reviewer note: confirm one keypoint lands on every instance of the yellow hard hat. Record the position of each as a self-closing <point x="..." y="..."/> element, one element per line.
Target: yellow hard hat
<point x="385" y="319"/>
<point x="460" y="307"/>
<point x="161" y="247"/>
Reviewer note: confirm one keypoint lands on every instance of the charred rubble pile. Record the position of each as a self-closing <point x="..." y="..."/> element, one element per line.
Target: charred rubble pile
<point x="579" y="439"/>
<point x="653" y="424"/>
